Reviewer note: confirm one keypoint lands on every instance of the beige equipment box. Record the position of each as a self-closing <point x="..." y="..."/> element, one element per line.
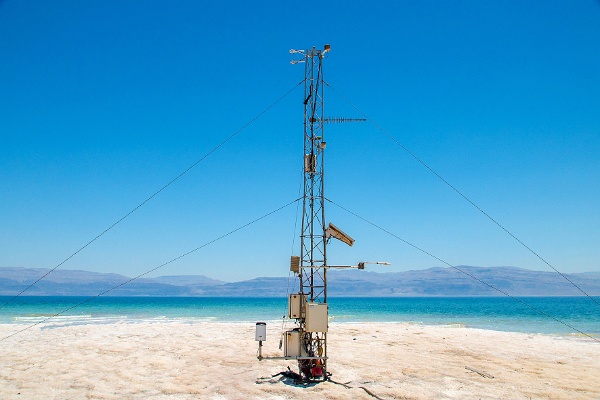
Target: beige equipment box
<point x="295" y="306"/>
<point x="293" y="344"/>
<point x="317" y="317"/>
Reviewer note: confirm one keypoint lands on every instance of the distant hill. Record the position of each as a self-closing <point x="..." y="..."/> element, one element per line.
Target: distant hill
<point x="81" y="283"/>
<point x="452" y="282"/>
<point x="426" y="282"/>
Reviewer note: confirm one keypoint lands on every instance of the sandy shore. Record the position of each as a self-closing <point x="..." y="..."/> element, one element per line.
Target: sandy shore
<point x="210" y="360"/>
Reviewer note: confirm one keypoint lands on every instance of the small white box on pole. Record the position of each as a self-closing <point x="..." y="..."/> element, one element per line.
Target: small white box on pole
<point x="261" y="331"/>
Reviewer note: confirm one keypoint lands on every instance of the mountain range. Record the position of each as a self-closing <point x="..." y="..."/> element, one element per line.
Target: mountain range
<point x="459" y="281"/>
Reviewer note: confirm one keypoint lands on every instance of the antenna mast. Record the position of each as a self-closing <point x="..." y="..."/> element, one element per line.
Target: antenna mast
<point x="307" y="343"/>
<point x="313" y="245"/>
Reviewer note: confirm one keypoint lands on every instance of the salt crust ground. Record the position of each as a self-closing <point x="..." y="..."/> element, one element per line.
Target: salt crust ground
<point x="210" y="360"/>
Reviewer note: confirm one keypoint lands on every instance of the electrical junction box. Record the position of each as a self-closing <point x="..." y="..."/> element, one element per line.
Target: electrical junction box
<point x="317" y="317"/>
<point x="310" y="163"/>
<point x="295" y="305"/>
<point x="293" y="344"/>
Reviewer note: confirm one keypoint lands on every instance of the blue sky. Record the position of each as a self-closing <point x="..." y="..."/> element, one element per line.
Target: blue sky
<point x="102" y="103"/>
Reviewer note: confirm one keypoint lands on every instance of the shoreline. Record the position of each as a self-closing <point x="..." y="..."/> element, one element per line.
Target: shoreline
<point x="217" y="360"/>
<point x="567" y="316"/>
<point x="76" y="320"/>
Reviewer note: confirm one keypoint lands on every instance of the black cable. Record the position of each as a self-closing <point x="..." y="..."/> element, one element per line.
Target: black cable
<point x="154" y="195"/>
<point x="287" y="292"/>
<point x="297" y="208"/>
<point x="149" y="271"/>
<point x="352" y="387"/>
<point x="461" y="194"/>
<point x="464" y="272"/>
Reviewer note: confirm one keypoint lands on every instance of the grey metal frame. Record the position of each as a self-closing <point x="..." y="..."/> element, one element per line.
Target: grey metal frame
<point x="313" y="252"/>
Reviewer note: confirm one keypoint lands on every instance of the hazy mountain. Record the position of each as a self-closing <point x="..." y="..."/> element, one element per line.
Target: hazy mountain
<point x="462" y="281"/>
<point x="81" y="283"/>
<point x="469" y="281"/>
<point x="188" y="280"/>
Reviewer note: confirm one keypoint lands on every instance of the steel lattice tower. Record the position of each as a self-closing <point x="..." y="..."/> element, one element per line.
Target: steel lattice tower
<point x="313" y="247"/>
<point x="307" y="343"/>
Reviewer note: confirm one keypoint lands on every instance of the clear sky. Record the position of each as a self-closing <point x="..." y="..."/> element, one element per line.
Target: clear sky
<point x="104" y="102"/>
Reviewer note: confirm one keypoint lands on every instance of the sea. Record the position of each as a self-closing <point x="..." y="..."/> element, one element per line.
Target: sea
<point x="564" y="316"/>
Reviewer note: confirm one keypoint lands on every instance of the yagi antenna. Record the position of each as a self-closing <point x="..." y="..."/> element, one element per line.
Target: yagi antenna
<point x="341" y="120"/>
<point x="336" y="120"/>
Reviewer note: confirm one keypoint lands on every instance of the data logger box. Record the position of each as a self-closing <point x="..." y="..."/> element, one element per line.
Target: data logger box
<point x="293" y="344"/>
<point x="295" y="306"/>
<point x="317" y="317"/>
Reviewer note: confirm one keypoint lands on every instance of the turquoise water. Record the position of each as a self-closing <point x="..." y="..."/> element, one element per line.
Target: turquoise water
<point x="494" y="313"/>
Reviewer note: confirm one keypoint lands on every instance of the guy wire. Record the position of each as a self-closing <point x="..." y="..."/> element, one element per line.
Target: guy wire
<point x="150" y="270"/>
<point x="413" y="155"/>
<point x="154" y="194"/>
<point x="462" y="271"/>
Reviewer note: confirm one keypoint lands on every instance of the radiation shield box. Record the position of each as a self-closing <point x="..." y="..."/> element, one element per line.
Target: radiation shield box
<point x="317" y="315"/>
<point x="261" y="332"/>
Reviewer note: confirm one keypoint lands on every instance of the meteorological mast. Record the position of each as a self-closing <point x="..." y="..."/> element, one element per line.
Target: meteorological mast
<point x="307" y="342"/>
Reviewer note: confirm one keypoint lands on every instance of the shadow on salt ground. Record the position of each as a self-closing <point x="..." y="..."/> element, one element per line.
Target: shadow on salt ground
<point x="288" y="378"/>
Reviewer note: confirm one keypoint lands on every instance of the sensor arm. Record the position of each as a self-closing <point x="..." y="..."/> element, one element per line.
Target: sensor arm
<point x="361" y="265"/>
